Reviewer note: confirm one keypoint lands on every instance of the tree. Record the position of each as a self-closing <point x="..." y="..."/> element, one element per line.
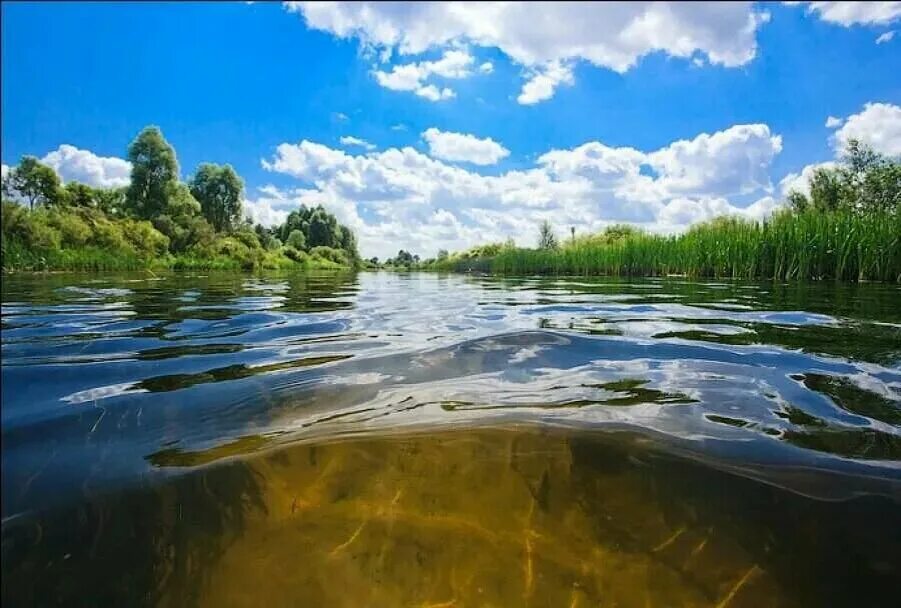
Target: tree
<point x="79" y="195"/>
<point x="323" y="230"/>
<point x="219" y="191"/>
<point x="826" y="189"/>
<point x="863" y="181"/>
<point x="442" y="255"/>
<point x="35" y="182"/>
<point x="181" y="221"/>
<point x="154" y="172"/>
<point x="111" y="201"/>
<point x="546" y="237"/>
<point x="404" y="258"/>
<point x="297" y="240"/>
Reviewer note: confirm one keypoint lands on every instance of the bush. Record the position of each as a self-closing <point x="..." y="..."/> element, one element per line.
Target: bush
<point x="298" y="256"/>
<point x="145" y="238"/>
<point x="337" y="256"/>
<point x="74" y="231"/>
<point x="109" y="235"/>
<point x="296" y="240"/>
<point x="248" y="237"/>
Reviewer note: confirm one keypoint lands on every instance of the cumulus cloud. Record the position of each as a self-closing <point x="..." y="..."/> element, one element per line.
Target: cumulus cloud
<point x="832" y="122"/>
<point x="609" y="35"/>
<point x="413" y="76"/>
<point x="855" y="13"/>
<point x="878" y="124"/>
<point x="544" y="81"/>
<point x="486" y="68"/>
<point x="463" y="147"/>
<point x="349" y="140"/>
<point x="401" y="197"/>
<point x="73" y="164"/>
<point x="886" y="37"/>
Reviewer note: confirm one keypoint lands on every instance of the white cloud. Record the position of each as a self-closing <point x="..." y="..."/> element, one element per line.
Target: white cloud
<point x="855" y="13"/>
<point x="401" y="197"/>
<point x="833" y="122"/>
<point x="886" y="37"/>
<point x="463" y="147"/>
<point x="433" y="93"/>
<point x="340" y="116"/>
<point x="544" y="82"/>
<point x="399" y="127"/>
<point x="413" y="76"/>
<point x="4" y="171"/>
<point x="878" y="124"/>
<point x="349" y="140"/>
<point x="486" y="68"/>
<point x="609" y="35"/>
<point x="730" y="162"/>
<point x="73" y="164"/>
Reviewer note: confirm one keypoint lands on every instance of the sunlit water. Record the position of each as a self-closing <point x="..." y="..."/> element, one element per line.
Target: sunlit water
<point x="424" y="440"/>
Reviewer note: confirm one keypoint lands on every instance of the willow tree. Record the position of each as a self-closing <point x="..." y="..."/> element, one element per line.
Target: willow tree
<point x="154" y="173"/>
<point x="219" y="191"/>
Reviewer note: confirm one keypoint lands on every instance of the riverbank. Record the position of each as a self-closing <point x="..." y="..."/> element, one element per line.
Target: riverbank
<point x="801" y="245"/>
<point x="79" y="238"/>
<point x="18" y="258"/>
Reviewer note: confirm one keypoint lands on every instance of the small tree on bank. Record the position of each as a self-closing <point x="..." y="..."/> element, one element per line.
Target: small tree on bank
<point x="154" y="173"/>
<point x="546" y="237"/>
<point x="219" y="191"/>
<point x="35" y="182"/>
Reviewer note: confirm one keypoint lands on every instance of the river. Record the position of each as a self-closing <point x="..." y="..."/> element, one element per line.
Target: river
<point x="391" y="439"/>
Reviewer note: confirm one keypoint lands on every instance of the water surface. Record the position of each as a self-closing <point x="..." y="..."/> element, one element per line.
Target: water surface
<point x="429" y="440"/>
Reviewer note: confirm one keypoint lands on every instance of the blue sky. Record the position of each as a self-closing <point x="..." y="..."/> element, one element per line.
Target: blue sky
<point x="578" y="120"/>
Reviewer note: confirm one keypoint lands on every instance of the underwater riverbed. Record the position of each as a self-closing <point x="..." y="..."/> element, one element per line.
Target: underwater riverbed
<point x="390" y="439"/>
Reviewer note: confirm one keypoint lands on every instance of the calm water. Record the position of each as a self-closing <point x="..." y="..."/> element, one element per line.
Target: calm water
<point x="423" y="440"/>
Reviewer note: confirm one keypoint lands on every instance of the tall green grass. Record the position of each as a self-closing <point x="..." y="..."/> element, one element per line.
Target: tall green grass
<point x="842" y="245"/>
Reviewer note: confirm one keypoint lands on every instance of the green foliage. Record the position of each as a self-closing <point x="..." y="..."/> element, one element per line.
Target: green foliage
<point x="863" y="181"/>
<point x="154" y="173"/>
<point x="34" y="182"/>
<point x="403" y="259"/>
<point x="296" y="239"/>
<point x="811" y="244"/>
<point x="329" y="254"/>
<point x="219" y="191"/>
<point x="156" y="221"/>
<point x="320" y="229"/>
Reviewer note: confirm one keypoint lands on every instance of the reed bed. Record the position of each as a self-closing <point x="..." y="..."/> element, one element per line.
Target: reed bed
<point x="843" y="245"/>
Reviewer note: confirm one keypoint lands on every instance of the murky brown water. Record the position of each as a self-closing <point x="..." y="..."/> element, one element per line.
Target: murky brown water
<point x="286" y="442"/>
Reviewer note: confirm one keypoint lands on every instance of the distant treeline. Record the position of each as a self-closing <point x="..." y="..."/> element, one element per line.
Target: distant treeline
<point x="156" y="221"/>
<point x="848" y="227"/>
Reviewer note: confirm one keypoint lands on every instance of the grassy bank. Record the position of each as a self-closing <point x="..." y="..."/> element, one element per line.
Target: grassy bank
<point x="81" y="238"/>
<point x="17" y="257"/>
<point x="810" y="244"/>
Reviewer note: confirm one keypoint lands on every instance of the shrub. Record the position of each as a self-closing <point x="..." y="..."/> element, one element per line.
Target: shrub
<point x="297" y="240"/>
<point x="337" y="256"/>
<point x="300" y="257"/>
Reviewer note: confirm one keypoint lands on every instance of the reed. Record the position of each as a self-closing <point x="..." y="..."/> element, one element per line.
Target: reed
<point x="843" y="245"/>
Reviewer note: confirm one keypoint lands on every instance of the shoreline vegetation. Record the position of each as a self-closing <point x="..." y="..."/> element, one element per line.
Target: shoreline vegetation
<point x="846" y="227"/>
<point x="157" y="221"/>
